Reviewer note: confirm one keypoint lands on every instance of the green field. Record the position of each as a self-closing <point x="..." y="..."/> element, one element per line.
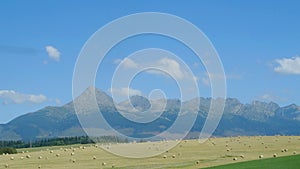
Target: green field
<point x="288" y="162"/>
<point x="189" y="154"/>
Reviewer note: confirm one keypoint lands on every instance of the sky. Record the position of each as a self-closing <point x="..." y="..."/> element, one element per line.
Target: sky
<point x="258" y="43"/>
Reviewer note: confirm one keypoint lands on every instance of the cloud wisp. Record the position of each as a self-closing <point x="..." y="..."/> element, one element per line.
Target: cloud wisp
<point x="53" y="53"/>
<point x="11" y="96"/>
<point x="288" y="65"/>
<point x="123" y="92"/>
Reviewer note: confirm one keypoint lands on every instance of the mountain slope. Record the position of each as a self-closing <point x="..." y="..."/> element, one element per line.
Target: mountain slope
<point x="257" y="118"/>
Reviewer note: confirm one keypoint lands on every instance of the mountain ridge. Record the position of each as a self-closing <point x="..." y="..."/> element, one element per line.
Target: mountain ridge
<point x="255" y="118"/>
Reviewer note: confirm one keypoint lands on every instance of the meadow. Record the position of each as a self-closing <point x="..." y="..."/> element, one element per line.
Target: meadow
<point x="187" y="154"/>
<point x="286" y="162"/>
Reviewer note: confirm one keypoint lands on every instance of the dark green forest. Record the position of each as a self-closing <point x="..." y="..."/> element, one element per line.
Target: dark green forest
<point x="61" y="141"/>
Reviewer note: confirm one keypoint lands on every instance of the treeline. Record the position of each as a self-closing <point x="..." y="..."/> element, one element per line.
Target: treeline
<point x="7" y="150"/>
<point x="61" y="141"/>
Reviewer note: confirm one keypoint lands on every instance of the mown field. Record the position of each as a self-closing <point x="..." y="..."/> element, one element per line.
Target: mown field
<point x="188" y="154"/>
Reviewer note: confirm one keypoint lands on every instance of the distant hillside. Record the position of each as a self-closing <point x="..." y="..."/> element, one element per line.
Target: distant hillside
<point x="256" y="118"/>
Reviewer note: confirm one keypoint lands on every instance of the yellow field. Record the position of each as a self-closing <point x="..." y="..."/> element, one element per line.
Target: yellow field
<point x="188" y="154"/>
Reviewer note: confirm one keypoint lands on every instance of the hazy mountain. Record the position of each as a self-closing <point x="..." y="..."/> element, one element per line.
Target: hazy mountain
<point x="256" y="118"/>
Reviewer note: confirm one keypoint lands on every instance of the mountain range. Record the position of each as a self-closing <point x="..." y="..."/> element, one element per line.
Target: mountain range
<point x="145" y="118"/>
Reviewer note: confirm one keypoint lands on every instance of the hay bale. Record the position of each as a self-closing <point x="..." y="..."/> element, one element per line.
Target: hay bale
<point x="261" y="156"/>
<point x="103" y="163"/>
<point x="275" y="155"/>
<point x="6" y="165"/>
<point x="235" y="159"/>
<point x="294" y="152"/>
<point x="173" y="156"/>
<point x="94" y="157"/>
<point x="40" y="157"/>
<point x="12" y="158"/>
<point x="165" y="156"/>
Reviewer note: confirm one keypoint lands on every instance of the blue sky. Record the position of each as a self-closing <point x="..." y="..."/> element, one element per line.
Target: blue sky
<point x="258" y="43"/>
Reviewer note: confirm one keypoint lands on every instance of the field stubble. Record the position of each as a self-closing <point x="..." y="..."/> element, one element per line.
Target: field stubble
<point x="188" y="154"/>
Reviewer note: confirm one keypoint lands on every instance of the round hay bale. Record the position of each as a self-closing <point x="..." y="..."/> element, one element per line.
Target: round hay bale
<point x="275" y="155"/>
<point x="235" y="159"/>
<point x="261" y="156"/>
<point x="103" y="163"/>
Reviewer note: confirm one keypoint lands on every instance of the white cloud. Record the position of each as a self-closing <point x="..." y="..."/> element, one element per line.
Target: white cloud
<point x="57" y="101"/>
<point x="124" y="92"/>
<point x="172" y="67"/>
<point x="53" y="53"/>
<point x="117" y="61"/>
<point x="288" y="65"/>
<point x="164" y="66"/>
<point x="208" y="77"/>
<point x="11" y="96"/>
<point x="127" y="63"/>
<point x="205" y="80"/>
<point x="270" y="97"/>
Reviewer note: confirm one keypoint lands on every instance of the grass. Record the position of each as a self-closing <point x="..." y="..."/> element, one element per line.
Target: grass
<point x="211" y="153"/>
<point x="288" y="162"/>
